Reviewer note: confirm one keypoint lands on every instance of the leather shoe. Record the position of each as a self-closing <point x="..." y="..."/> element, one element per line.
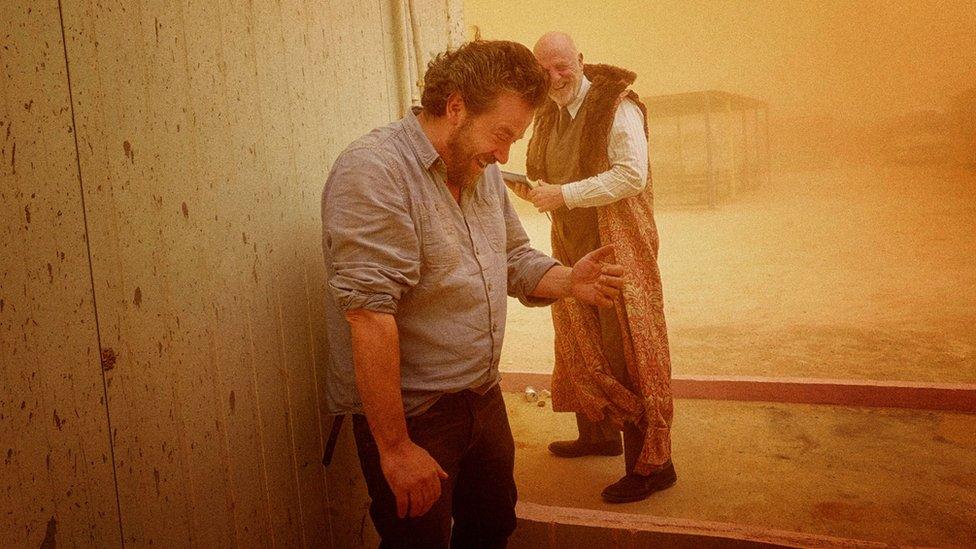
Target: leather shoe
<point x="634" y="487"/>
<point x="578" y="448"/>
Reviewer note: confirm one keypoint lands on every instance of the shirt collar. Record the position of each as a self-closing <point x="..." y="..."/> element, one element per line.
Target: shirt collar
<point x="418" y="140"/>
<point x="574" y="107"/>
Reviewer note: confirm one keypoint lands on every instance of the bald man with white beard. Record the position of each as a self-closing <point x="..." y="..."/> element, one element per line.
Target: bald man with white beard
<point x="612" y="365"/>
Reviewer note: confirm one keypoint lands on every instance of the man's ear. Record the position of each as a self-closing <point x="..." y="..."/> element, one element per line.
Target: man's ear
<point x="455" y="109"/>
<point x="581" y="59"/>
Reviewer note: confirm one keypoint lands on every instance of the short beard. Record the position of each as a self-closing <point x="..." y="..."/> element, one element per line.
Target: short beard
<point x="569" y="92"/>
<point x="458" y="172"/>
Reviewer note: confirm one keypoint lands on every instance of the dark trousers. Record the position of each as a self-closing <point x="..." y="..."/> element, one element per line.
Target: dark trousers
<point x="605" y="431"/>
<point x="469" y="436"/>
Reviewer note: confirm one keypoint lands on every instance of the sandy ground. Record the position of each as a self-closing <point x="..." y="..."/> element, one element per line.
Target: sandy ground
<point x="861" y="273"/>
<point x="897" y="476"/>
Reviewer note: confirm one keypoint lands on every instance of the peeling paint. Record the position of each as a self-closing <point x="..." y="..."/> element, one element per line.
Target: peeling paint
<point x="186" y="211"/>
<point x="108" y="359"/>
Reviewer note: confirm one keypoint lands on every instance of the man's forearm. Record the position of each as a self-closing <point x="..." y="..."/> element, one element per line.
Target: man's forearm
<point x="555" y="284"/>
<point x="376" y="358"/>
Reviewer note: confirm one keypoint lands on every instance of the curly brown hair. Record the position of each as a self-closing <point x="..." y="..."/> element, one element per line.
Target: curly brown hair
<point x="480" y="70"/>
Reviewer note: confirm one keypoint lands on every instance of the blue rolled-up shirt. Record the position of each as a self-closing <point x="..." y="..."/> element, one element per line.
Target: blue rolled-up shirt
<point x="396" y="241"/>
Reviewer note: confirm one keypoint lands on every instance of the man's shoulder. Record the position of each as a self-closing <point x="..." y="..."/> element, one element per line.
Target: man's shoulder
<point x="611" y="107"/>
<point x="629" y="105"/>
<point x="381" y="146"/>
<point x="371" y="166"/>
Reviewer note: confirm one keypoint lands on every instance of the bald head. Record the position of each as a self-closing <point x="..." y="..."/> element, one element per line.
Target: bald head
<point x="555" y="42"/>
<point x="557" y="53"/>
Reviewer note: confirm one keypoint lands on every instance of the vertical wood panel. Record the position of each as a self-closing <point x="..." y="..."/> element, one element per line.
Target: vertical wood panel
<point x="131" y="209"/>
<point x="56" y="477"/>
<point x="270" y="366"/>
<point x="304" y="144"/>
<point x="231" y="152"/>
<point x="194" y="64"/>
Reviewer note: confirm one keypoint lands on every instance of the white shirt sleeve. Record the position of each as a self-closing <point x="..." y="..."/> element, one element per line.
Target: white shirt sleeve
<point x="627" y="151"/>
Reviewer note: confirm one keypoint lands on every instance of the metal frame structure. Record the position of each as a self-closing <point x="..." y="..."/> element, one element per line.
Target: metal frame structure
<point x="748" y="160"/>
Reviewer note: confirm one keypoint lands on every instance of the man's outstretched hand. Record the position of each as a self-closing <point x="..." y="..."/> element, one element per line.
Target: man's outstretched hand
<point x="594" y="280"/>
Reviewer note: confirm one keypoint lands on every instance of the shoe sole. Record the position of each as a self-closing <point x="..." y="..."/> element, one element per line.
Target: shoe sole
<point x="584" y="455"/>
<point x="615" y="499"/>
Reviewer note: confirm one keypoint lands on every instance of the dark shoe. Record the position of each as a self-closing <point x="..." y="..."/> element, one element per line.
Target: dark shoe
<point x="576" y="448"/>
<point x="637" y="487"/>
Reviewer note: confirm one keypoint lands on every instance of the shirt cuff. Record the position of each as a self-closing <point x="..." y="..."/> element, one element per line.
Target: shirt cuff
<point x="571" y="195"/>
<point x="530" y="279"/>
<point x="348" y="300"/>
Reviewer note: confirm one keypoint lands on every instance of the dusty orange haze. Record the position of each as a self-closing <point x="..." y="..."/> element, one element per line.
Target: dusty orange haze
<point x="827" y="68"/>
<point x="844" y="58"/>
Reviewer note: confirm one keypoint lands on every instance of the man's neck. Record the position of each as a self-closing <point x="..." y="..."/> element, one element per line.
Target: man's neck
<point x="574" y="106"/>
<point x="436" y="129"/>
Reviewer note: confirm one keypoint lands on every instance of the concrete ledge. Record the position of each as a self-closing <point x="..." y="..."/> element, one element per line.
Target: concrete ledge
<point x="840" y="392"/>
<point x="542" y="526"/>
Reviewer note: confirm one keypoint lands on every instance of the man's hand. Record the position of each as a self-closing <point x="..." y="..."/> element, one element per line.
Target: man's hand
<point x="547" y="197"/>
<point x="414" y="477"/>
<point x="594" y="281"/>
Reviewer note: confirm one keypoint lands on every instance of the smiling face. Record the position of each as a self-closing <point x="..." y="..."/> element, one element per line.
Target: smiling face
<point x="558" y="56"/>
<point x="479" y="140"/>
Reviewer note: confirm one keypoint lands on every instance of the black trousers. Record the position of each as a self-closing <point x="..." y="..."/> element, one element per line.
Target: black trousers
<point x="469" y="436"/>
<point x="605" y="431"/>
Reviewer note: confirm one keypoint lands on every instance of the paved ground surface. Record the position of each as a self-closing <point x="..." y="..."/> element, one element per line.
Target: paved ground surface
<point x="897" y="476"/>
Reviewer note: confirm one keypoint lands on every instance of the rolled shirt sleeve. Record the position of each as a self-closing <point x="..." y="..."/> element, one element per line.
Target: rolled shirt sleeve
<point x="526" y="265"/>
<point x="371" y="245"/>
